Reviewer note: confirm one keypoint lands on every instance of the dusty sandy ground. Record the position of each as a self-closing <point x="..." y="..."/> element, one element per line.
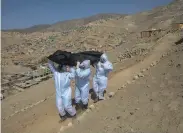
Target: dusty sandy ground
<point x="146" y="81"/>
<point x="124" y="38"/>
<point x="151" y="104"/>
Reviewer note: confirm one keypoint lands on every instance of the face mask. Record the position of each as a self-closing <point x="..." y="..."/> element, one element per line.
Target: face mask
<point x="102" y="60"/>
<point x="82" y="67"/>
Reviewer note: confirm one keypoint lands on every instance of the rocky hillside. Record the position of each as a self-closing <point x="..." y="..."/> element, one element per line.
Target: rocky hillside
<point x="65" y="25"/>
<point x="76" y="23"/>
<point x="119" y="36"/>
<point x="30" y="29"/>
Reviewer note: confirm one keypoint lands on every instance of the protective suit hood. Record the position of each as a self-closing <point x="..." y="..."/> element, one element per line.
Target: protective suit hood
<point x="104" y="57"/>
<point x="85" y="64"/>
<point x="82" y="82"/>
<point x="63" y="89"/>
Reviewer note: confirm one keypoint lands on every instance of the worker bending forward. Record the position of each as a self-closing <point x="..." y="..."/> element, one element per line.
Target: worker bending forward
<point x="103" y="67"/>
<point x="82" y="84"/>
<point x="62" y="77"/>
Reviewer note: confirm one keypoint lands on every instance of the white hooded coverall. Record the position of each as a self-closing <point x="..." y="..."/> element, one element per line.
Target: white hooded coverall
<point x="82" y="82"/>
<point x="63" y="90"/>
<point x="101" y="77"/>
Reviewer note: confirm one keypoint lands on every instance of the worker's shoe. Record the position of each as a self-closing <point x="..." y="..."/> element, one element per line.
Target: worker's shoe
<point x="70" y="116"/>
<point x="63" y="118"/>
<point x="78" y="106"/>
<point x="101" y="96"/>
<point x="85" y="106"/>
<point x="96" y="100"/>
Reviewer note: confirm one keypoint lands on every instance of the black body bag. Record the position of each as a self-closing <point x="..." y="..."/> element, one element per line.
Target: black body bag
<point x="68" y="58"/>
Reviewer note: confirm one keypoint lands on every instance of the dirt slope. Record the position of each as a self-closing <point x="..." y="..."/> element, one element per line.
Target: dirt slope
<point x="104" y="34"/>
<point x="42" y="117"/>
<point x="152" y="104"/>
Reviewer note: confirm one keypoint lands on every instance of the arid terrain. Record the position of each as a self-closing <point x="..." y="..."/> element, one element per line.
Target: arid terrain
<point x="145" y="90"/>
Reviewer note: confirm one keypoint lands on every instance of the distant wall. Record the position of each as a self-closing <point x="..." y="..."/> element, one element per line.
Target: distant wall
<point x="150" y="33"/>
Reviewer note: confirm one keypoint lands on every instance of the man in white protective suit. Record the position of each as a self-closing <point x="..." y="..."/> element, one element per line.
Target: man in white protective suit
<point x="62" y="77"/>
<point x="82" y="78"/>
<point x="100" y="79"/>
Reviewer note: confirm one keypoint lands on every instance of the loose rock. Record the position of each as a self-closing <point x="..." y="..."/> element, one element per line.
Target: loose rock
<point x="143" y="70"/>
<point x="118" y="117"/>
<point x="70" y="124"/>
<point x="131" y="113"/>
<point x="135" y="77"/>
<point x="163" y="55"/>
<point x="88" y="110"/>
<point x="123" y="86"/>
<point x="92" y="107"/>
<point x="153" y="64"/>
<point x="111" y="94"/>
<point x="178" y="66"/>
<point x="128" y="82"/>
<point x="61" y="129"/>
<point x="140" y="75"/>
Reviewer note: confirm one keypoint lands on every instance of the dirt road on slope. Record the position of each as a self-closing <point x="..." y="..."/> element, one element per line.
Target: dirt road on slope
<point x="151" y="104"/>
<point x="34" y="111"/>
